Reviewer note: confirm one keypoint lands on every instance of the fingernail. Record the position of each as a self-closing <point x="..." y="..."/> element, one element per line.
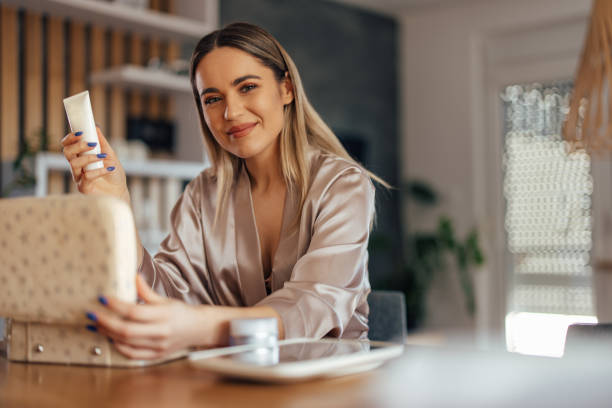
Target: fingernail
<point x="111" y="168"/>
<point x="110" y="340"/>
<point x="102" y="155"/>
<point x="78" y="133"/>
<point x="92" y="316"/>
<point x="91" y="328"/>
<point x="92" y="144"/>
<point x="103" y="300"/>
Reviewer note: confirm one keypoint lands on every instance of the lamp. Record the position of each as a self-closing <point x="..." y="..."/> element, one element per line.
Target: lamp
<point x="589" y="121"/>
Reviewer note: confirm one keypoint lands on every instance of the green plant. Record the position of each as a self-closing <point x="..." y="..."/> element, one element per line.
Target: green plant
<point x="428" y="253"/>
<point x="23" y="166"/>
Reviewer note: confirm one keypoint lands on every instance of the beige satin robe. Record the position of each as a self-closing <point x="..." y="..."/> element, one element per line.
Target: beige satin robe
<point x="319" y="276"/>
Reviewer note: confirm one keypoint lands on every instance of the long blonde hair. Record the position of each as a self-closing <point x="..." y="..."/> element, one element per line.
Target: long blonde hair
<point x="303" y="127"/>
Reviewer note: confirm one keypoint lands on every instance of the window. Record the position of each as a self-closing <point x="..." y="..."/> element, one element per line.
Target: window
<point x="548" y="221"/>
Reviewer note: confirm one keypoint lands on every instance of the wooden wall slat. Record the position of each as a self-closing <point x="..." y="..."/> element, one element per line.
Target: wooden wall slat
<point x="155" y="5"/>
<point x="78" y="64"/>
<point x="154" y="106"/>
<point x="173" y="53"/>
<point x="97" y="48"/>
<point x="78" y="57"/>
<point x="118" y="108"/>
<point x="136" y="103"/>
<point x="33" y="83"/>
<point x="56" y="117"/>
<point x="9" y="126"/>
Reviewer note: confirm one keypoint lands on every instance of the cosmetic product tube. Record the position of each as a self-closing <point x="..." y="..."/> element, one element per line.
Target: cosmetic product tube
<point x="80" y="117"/>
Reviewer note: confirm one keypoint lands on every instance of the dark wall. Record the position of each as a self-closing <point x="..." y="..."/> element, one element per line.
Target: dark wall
<point x="347" y="58"/>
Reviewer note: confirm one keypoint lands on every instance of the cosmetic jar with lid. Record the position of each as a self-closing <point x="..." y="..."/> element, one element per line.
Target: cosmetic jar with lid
<point x="260" y="332"/>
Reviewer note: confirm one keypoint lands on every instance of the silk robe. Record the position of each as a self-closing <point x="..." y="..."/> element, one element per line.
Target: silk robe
<point x="319" y="277"/>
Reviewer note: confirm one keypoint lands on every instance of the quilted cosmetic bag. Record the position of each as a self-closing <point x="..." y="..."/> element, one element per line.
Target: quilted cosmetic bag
<point x="57" y="255"/>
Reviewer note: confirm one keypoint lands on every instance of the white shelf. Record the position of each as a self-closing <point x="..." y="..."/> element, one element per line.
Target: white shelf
<point x="146" y="168"/>
<point x="133" y="76"/>
<point x="148" y="22"/>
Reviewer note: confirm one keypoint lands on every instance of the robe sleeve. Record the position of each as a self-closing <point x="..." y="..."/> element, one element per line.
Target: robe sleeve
<point x="179" y="270"/>
<point x="330" y="280"/>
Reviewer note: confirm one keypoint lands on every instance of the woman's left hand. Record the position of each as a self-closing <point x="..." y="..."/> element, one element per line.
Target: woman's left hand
<point x="153" y="330"/>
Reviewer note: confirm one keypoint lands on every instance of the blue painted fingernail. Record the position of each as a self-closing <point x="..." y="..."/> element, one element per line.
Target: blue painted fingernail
<point x="92" y="316"/>
<point x="101" y="155"/>
<point x="91" y="328"/>
<point x="78" y="133"/>
<point x="111" y="168"/>
<point x="92" y="144"/>
<point x="110" y="340"/>
<point x="103" y="300"/>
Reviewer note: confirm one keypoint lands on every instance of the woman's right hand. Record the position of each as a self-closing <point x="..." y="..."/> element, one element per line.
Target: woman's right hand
<point x="109" y="180"/>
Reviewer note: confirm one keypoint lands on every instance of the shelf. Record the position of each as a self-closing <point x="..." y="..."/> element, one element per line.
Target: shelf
<point x="135" y="77"/>
<point x="148" y="22"/>
<point x="146" y="168"/>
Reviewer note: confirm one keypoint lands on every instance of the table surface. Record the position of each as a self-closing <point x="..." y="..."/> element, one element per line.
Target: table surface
<point x="175" y="384"/>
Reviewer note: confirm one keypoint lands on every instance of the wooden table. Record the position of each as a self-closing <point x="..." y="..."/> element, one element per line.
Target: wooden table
<point x="175" y="384"/>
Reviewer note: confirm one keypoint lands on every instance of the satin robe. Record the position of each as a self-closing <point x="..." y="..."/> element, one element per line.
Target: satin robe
<point x="319" y="276"/>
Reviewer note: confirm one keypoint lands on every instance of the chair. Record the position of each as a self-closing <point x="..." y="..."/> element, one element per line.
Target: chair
<point x="387" y="318"/>
<point x="588" y="339"/>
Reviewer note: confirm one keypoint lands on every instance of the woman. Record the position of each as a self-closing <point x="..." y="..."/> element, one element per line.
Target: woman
<point x="277" y="227"/>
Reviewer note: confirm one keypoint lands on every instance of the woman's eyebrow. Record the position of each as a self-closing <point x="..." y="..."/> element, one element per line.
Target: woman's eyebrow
<point x="234" y="83"/>
<point x="244" y="78"/>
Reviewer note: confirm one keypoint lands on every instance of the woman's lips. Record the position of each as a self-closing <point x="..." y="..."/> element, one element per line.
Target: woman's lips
<point x="237" y="132"/>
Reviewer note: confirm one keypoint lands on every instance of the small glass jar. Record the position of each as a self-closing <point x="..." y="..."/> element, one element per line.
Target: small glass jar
<point x="260" y="332"/>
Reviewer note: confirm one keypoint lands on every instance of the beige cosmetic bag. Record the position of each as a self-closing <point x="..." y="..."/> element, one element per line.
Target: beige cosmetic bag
<point x="58" y="254"/>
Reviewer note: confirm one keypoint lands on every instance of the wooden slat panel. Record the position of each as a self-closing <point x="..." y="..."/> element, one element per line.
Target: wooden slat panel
<point x="56" y="117"/>
<point x="171" y="6"/>
<point x="33" y="111"/>
<point x="9" y="81"/>
<point x="173" y="53"/>
<point x="155" y="5"/>
<point x="136" y="103"/>
<point x="154" y="106"/>
<point x="118" y="110"/>
<point x="77" y="58"/>
<point x="97" y="49"/>
<point x="78" y="63"/>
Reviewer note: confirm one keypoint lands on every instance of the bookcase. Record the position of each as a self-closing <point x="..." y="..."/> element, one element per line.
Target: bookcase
<point x="103" y="46"/>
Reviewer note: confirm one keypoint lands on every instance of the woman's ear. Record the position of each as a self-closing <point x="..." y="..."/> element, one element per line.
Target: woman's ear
<point x="287" y="89"/>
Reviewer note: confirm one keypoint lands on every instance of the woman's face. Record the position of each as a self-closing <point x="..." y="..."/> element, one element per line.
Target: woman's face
<point x="242" y="101"/>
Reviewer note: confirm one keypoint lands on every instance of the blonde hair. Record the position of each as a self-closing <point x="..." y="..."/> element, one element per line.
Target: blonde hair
<point x="303" y="127"/>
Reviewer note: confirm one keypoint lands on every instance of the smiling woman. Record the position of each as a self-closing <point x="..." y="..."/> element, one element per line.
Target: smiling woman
<point x="277" y="227"/>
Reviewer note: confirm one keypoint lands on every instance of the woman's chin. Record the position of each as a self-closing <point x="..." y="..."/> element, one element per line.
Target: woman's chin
<point x="245" y="152"/>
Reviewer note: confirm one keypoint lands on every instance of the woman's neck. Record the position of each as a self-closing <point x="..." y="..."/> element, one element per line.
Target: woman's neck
<point x="265" y="170"/>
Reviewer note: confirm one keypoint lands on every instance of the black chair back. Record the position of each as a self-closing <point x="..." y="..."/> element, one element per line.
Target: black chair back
<point x="588" y="340"/>
<point x="387" y="320"/>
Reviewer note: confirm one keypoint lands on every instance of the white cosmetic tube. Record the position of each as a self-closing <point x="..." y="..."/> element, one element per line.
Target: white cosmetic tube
<point x="80" y="117"/>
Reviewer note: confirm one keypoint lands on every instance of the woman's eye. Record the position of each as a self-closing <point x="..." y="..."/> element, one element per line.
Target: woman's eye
<point x="248" y="88"/>
<point x="211" y="99"/>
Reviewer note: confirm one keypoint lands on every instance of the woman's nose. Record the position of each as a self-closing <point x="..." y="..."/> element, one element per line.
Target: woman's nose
<point x="233" y="108"/>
